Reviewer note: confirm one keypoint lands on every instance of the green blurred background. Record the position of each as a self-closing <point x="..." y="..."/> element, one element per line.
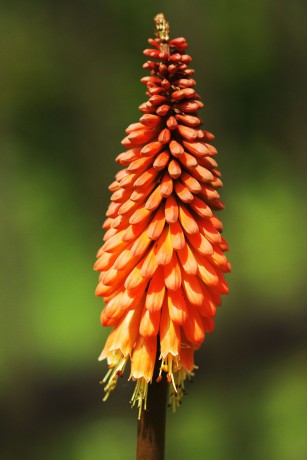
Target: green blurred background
<point x="69" y="83"/>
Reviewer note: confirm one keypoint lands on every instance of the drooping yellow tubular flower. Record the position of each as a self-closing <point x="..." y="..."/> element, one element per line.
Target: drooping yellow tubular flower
<point x="162" y="263"/>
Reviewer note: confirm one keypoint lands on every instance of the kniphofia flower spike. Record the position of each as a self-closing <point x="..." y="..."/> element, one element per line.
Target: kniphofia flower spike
<point x="162" y="264"/>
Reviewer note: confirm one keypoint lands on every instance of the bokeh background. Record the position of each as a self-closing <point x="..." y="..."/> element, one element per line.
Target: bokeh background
<point x="69" y="84"/>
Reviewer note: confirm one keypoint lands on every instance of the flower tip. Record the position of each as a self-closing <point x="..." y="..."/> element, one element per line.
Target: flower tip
<point x="102" y="356"/>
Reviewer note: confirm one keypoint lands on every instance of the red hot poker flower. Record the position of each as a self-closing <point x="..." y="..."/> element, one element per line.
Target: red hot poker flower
<point x="162" y="263"/>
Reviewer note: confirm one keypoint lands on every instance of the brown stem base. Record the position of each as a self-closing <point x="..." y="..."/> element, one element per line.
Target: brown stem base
<point x="151" y="426"/>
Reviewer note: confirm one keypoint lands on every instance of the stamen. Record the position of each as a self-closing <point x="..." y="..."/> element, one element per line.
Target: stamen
<point x="179" y="379"/>
<point x="115" y="370"/>
<point x="169" y="365"/>
<point x="140" y="395"/>
<point x="170" y="375"/>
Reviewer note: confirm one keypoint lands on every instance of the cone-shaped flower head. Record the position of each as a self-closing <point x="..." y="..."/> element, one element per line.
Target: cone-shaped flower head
<point x="162" y="263"/>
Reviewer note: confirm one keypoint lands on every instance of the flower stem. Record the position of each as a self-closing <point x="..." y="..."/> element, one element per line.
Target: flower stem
<point x="151" y="426"/>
